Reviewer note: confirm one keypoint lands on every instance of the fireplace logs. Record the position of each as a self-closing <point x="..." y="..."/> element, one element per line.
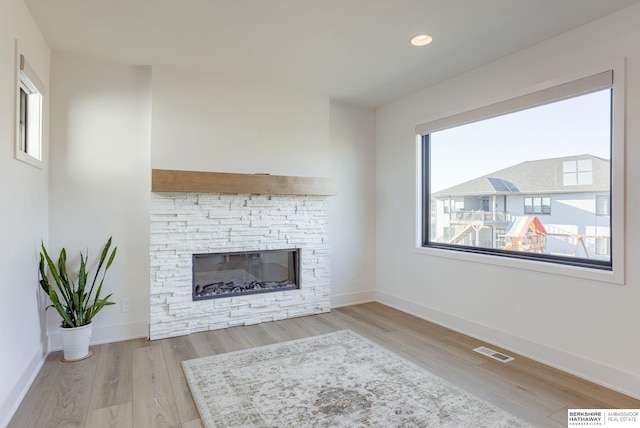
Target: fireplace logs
<point x="218" y="288"/>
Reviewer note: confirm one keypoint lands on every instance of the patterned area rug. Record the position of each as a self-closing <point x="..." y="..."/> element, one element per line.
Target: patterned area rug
<point x="335" y="380"/>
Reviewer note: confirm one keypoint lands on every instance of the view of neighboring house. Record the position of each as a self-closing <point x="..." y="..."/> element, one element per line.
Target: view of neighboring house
<point x="568" y="195"/>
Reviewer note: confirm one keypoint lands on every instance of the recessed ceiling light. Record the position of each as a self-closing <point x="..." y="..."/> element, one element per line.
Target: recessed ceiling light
<point x="421" y="40"/>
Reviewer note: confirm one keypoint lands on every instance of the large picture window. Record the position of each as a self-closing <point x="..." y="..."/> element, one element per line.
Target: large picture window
<point x="532" y="177"/>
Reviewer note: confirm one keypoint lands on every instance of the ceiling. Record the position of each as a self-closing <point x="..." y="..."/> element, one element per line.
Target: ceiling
<point x="356" y="51"/>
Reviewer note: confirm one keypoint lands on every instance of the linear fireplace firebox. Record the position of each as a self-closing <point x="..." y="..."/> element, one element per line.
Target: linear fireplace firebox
<point x="217" y="275"/>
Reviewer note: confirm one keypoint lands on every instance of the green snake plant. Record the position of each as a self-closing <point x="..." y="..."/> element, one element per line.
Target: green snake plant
<point x="76" y="306"/>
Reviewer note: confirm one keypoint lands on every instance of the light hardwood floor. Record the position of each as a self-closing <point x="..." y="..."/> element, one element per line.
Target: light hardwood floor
<point x="139" y="383"/>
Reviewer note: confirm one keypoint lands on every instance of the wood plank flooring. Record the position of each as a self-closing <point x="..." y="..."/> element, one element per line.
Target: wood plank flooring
<point x="139" y="383"/>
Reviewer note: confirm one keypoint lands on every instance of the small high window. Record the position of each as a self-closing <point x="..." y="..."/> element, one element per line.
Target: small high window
<point x="29" y="100"/>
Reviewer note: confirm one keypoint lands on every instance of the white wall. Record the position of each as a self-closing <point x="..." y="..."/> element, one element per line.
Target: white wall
<point x="352" y="235"/>
<point x="586" y="327"/>
<point x="204" y="124"/>
<point x="24" y="196"/>
<point x="100" y="181"/>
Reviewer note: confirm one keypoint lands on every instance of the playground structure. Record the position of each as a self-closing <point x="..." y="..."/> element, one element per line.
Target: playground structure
<point x="527" y="233"/>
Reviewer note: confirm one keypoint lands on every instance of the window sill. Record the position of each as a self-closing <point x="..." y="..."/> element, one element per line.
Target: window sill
<point x="615" y="276"/>
<point x="21" y="156"/>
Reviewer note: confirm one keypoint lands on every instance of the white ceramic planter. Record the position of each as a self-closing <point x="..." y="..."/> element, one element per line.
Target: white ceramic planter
<point x="75" y="342"/>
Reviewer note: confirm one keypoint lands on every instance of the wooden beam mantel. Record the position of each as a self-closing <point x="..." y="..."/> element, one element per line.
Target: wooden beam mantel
<point x="166" y="180"/>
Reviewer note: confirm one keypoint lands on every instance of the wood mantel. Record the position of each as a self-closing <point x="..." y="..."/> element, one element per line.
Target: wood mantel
<point x="166" y="180"/>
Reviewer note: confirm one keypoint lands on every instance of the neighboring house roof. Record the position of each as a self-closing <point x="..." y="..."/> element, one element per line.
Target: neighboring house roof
<point x="537" y="176"/>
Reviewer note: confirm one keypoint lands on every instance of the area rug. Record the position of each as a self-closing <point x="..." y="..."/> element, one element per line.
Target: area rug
<point x="335" y="380"/>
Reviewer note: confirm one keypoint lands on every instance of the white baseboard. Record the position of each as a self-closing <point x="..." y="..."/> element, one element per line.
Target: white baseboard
<point x="106" y="334"/>
<point x="610" y="377"/>
<point x="348" y="299"/>
<point x="16" y="393"/>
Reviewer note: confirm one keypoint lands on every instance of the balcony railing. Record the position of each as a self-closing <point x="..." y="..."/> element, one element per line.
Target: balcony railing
<point x="480" y="217"/>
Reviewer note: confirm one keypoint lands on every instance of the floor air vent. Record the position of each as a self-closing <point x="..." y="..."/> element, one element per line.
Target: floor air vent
<point x="494" y="354"/>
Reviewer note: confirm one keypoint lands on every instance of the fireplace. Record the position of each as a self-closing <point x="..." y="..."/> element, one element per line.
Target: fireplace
<point x="217" y="275"/>
<point x="187" y="223"/>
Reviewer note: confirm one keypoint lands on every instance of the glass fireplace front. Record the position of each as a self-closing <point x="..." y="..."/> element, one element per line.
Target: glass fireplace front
<point x="217" y="275"/>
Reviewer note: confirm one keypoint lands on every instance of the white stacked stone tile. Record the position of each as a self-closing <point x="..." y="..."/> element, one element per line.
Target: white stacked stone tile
<point x="183" y="224"/>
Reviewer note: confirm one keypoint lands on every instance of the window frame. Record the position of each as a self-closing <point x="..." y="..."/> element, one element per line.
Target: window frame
<point x="536" y="96"/>
<point x="28" y="136"/>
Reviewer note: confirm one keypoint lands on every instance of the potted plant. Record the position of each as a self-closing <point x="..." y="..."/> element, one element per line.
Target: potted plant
<point x="76" y="305"/>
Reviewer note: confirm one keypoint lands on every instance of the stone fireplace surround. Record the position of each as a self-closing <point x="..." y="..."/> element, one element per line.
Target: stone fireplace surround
<point x="184" y="223"/>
